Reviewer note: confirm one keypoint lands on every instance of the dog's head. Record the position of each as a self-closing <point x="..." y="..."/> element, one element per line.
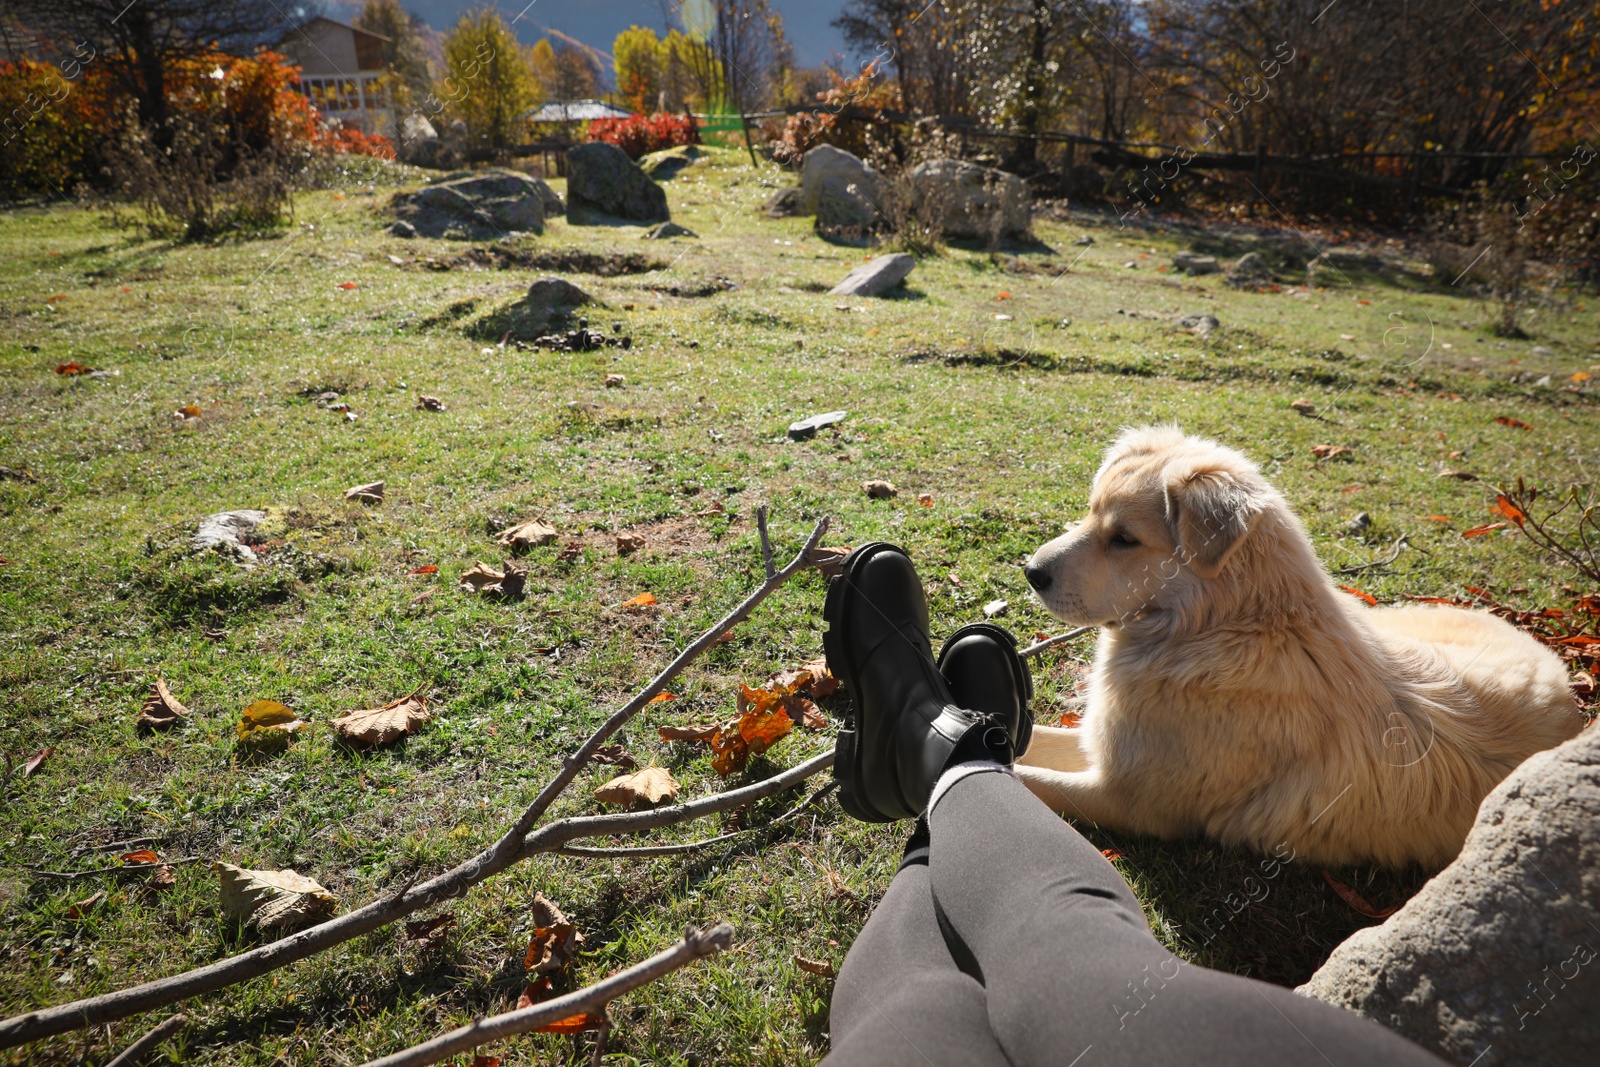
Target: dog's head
<point x="1167" y="513"/>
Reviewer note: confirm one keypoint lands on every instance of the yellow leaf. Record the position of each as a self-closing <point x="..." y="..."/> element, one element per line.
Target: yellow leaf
<point x="268" y="724"/>
<point x="649" y="786"/>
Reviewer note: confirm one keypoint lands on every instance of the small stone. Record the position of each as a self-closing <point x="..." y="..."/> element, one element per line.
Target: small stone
<point x="1358" y="526"/>
<point x="995" y="608"/>
<point x="1304" y="407"/>
<point x="1193" y="264"/>
<point x="629" y="542"/>
<point x="1542" y="351"/>
<point x="807" y="428"/>
<point x="616" y="381"/>
<point x="1131" y="264"/>
<point x="876" y="277"/>
<point x="1084" y="242"/>
<point x="1200" y="322"/>
<point x="402" y="228"/>
<point x="371" y="493"/>
<point x="877" y="489"/>
<point x="558" y="292"/>
<point x="429" y="403"/>
<point x="668" y="229"/>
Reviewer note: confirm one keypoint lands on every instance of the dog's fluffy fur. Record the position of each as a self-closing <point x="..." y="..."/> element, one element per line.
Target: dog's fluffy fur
<point x="1237" y="693"/>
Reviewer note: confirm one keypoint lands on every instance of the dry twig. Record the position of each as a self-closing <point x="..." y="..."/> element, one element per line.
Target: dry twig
<point x="1058" y="639"/>
<point x="695" y="944"/>
<point x="135" y="1053"/>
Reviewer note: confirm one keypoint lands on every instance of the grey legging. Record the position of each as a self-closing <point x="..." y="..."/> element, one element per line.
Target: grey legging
<point x="1056" y="964"/>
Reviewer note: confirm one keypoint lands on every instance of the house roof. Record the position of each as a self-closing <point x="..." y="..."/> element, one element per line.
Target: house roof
<point x="334" y="22"/>
<point x="576" y="111"/>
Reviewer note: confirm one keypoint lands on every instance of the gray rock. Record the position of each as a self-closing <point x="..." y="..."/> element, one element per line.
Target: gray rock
<point x="979" y="202"/>
<point x="224" y="532"/>
<point x="876" y="276"/>
<point x="601" y="178"/>
<point x="402" y="228"/>
<point x="839" y="189"/>
<point x="1250" y="271"/>
<point x="481" y="204"/>
<point x="1200" y="322"/>
<point x="1193" y="264"/>
<point x="551" y="292"/>
<point x="1358" y="526"/>
<point x="668" y="229"/>
<point x="807" y="428"/>
<point x="785" y="203"/>
<point x="1541" y="351"/>
<point x="1084" y="242"/>
<point x="1495" y="960"/>
<point x="665" y="164"/>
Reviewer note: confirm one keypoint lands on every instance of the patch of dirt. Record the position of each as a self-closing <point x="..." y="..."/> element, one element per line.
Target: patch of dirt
<point x="694" y="288"/>
<point x="570" y="260"/>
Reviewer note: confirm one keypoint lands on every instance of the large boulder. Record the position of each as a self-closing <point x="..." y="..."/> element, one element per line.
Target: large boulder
<point x="839" y="189"/>
<point x="601" y="178"/>
<point x="666" y="163"/>
<point x="1497" y="959"/>
<point x="978" y="202"/>
<point x="478" y="204"/>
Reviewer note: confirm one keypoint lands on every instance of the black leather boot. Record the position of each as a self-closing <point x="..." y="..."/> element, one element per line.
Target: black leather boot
<point x="981" y="666"/>
<point x="907" y="724"/>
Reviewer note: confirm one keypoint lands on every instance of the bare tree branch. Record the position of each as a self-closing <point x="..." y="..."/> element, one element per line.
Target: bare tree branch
<point x="1058" y="639"/>
<point x="515" y="844"/>
<point x="136" y="1052"/>
<point x="766" y="542"/>
<point x="643" y="851"/>
<point x="695" y="944"/>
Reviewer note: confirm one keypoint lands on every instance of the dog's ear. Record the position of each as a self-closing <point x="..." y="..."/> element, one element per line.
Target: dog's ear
<point x="1210" y="513"/>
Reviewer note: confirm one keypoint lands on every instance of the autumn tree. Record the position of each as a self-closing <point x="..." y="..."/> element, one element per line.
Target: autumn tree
<point x="405" y="55"/>
<point x="639" y="62"/>
<point x="489" y="82"/>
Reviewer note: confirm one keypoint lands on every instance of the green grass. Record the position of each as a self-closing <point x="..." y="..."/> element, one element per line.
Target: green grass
<point x="1001" y="420"/>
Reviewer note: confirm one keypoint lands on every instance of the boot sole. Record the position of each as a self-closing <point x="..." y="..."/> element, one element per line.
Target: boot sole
<point x="1020" y="671"/>
<point x="847" y="749"/>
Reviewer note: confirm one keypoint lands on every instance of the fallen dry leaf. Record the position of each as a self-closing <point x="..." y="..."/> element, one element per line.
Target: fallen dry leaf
<point x="188" y="411"/>
<point x="1329" y="451"/>
<point x="144" y="857"/>
<point x="614" y="756"/>
<point x="429" y="403"/>
<point x="830" y="561"/>
<point x="1356" y="901"/>
<point x="379" y="726"/>
<point x="878" y="489"/>
<point x="629" y="542"/>
<point x="348" y="285"/>
<point x="430" y="930"/>
<point x="1479" y="531"/>
<point x="817" y="967"/>
<point x="268" y="725"/>
<point x="371" y="493"/>
<point x="161" y="879"/>
<point x="71" y="367"/>
<point x="555" y="942"/>
<point x="1111" y="853"/>
<point x="486" y="581"/>
<point x="571" y="550"/>
<point x="1516" y="424"/>
<point x="422" y="571"/>
<point x="649" y="786"/>
<point x="1070" y="720"/>
<point x="995" y="608"/>
<point x="643" y="600"/>
<point x="1304" y="407"/>
<point x="925" y="499"/>
<point x="687" y="733"/>
<point x="83" y="907"/>
<point x="160" y="709"/>
<point x="1438" y="518"/>
<point x="1370" y="600"/>
<point x="35" y="760"/>
<point x="616" y="381"/>
<point x="812" y="678"/>
<point x="1503" y="506"/>
<point x="530" y="534"/>
<point x="272" y="900"/>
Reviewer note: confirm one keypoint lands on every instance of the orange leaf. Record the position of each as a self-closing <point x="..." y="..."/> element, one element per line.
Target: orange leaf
<point x="1440" y="518"/>
<point x="190" y="411"/>
<point x="1070" y="720"/>
<point x="72" y="367"/>
<point x="1503" y="506"/>
<point x="1363" y="301"/>
<point x="426" y="568"/>
<point x="688" y="733"/>
<point x="643" y="600"/>
<point x="1371" y="600"/>
<point x="1356" y="901"/>
<point x="1580" y="376"/>
<point x="572" y="1024"/>
<point x="1479" y="531"/>
<point x="661" y="698"/>
<point x="348" y="285"/>
<point x="144" y="855"/>
<point x="56" y="298"/>
<point x="1507" y="420"/>
<point x="1003" y="296"/>
<point x="1111" y="853"/>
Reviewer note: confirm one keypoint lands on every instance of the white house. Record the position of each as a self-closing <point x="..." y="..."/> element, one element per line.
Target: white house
<point x="342" y="73"/>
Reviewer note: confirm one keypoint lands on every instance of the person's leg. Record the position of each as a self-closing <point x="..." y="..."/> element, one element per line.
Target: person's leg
<point x="899" y="997"/>
<point x="1071" y="971"/>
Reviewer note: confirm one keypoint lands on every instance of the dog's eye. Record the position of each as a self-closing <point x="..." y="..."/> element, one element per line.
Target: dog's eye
<point x="1122" y="540"/>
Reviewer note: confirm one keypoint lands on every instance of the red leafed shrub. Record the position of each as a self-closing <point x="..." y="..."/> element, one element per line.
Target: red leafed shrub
<point x="353" y="142"/>
<point x="638" y="135"/>
<point x="866" y="93"/>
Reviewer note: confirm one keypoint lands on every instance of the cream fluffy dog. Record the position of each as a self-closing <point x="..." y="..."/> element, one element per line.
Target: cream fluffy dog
<point x="1237" y="693"/>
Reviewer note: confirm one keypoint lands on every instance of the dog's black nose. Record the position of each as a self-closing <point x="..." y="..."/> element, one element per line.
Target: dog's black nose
<point x="1037" y="577"/>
